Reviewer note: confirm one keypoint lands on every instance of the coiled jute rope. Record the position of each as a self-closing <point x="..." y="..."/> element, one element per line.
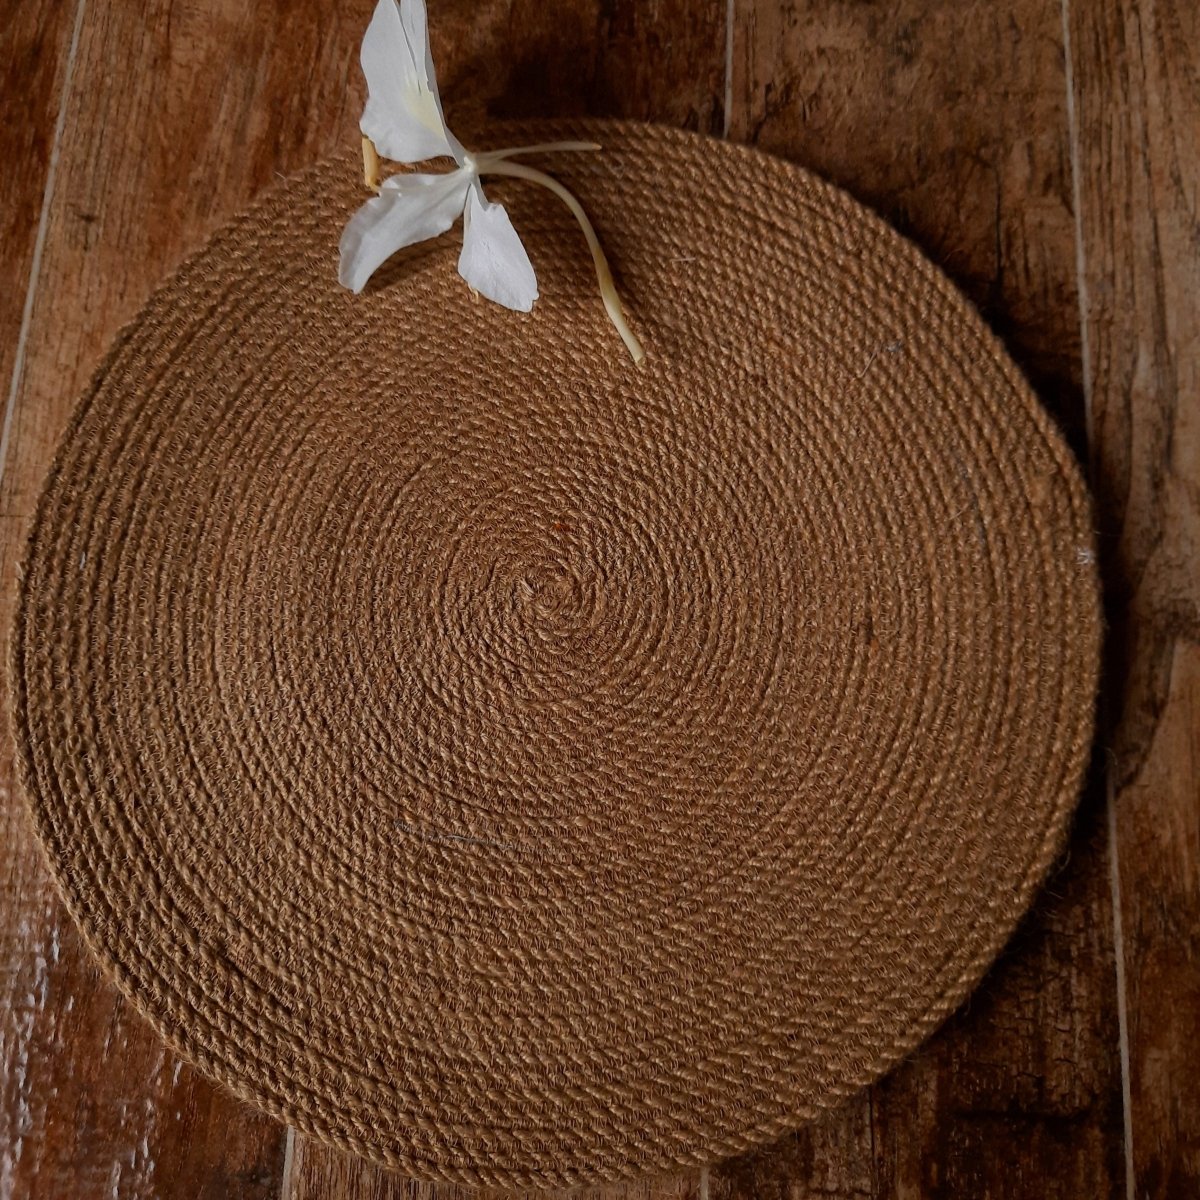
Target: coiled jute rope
<point x="521" y="767"/>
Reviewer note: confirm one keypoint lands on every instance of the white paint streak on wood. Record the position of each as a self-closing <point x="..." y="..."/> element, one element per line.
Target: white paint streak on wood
<point x="26" y="993"/>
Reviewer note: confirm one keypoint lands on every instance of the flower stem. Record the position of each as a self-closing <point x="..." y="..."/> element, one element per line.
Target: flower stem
<point x="608" y="290"/>
<point x="491" y="156"/>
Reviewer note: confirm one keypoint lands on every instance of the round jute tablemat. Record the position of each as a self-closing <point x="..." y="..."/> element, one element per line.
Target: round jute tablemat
<point x="522" y="767"/>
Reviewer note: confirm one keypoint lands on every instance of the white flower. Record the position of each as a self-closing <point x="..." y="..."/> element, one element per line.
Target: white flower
<point x="403" y="121"/>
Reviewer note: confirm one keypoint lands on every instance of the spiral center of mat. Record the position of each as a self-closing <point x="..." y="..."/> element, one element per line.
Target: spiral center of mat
<point x="553" y="595"/>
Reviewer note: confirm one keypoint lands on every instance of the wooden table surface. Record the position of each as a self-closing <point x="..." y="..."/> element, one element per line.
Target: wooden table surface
<point x="1046" y="153"/>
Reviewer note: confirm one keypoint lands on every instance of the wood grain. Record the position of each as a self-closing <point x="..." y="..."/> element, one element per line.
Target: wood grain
<point x="176" y="114"/>
<point x="663" y="61"/>
<point x="315" y="1171"/>
<point x="1137" y="101"/>
<point x="951" y="119"/>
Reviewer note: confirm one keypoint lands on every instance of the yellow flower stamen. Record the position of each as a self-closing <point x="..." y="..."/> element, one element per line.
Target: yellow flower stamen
<point x="370" y="164"/>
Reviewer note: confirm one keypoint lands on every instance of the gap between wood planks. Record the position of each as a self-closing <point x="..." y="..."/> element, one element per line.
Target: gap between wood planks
<point x="39" y="242"/>
<point x="1110" y="797"/>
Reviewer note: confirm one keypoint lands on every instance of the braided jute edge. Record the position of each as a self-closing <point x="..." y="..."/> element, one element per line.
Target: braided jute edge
<point x="771" y="175"/>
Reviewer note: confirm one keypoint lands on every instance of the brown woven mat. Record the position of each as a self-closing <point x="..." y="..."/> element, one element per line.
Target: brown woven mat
<point x="521" y="767"/>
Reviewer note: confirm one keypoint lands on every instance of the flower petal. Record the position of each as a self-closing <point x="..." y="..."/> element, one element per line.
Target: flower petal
<point x="408" y="209"/>
<point x="493" y="260"/>
<point x="403" y="116"/>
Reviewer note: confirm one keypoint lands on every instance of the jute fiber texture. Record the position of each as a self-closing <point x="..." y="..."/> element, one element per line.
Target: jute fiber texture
<point x="520" y="767"/>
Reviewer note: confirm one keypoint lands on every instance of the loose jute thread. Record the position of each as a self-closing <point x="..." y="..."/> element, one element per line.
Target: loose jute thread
<point x="522" y="770"/>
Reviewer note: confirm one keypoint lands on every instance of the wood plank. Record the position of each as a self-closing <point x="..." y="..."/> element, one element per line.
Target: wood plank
<point x="659" y="62"/>
<point x="177" y="114"/>
<point x="35" y="61"/>
<point x="179" y="118"/>
<point x="951" y="119"/>
<point x="1137" y="107"/>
